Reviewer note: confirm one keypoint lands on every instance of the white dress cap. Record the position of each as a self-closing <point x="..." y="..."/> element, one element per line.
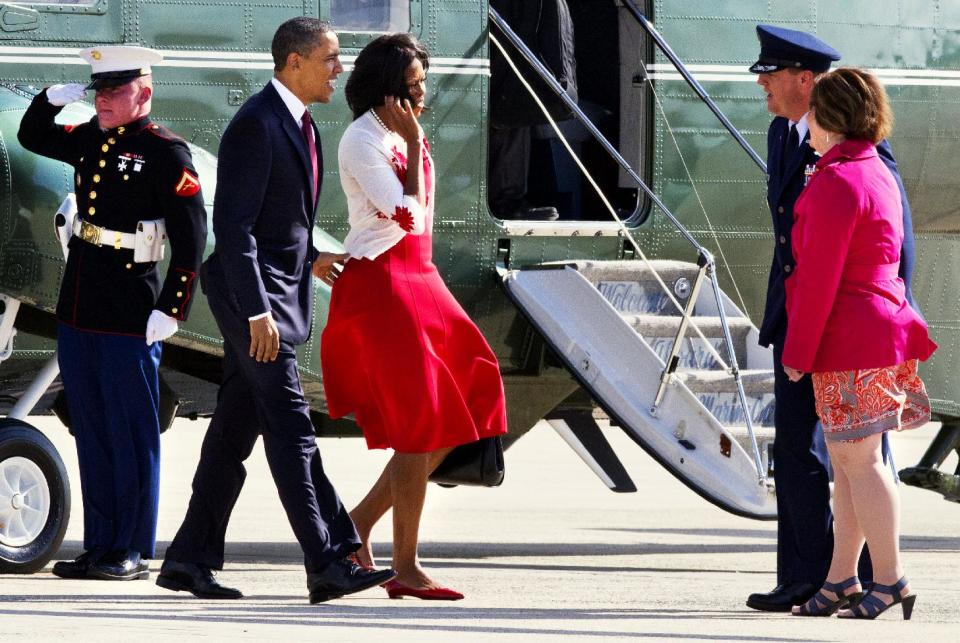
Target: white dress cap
<point x="113" y="65"/>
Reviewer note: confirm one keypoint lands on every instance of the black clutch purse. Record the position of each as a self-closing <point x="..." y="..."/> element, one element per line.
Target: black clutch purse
<point x="475" y="464"/>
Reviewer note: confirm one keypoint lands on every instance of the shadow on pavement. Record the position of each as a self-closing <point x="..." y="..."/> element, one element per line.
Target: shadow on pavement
<point x="453" y="618"/>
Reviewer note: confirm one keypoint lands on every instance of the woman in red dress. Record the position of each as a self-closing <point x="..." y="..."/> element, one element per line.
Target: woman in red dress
<point x="398" y="351"/>
<point x="850" y="326"/>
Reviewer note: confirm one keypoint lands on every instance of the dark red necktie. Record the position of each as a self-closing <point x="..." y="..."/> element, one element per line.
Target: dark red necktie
<point x="306" y="126"/>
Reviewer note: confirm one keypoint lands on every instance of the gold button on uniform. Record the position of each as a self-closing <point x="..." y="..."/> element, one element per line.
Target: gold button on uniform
<point x="93" y="195"/>
<point x="111" y="140"/>
<point x="129" y="266"/>
<point x="183" y="278"/>
<point x="126" y="177"/>
<point x="103" y="163"/>
<point x="105" y="147"/>
<point x="96" y="178"/>
<point x="179" y="294"/>
<point x="92" y="210"/>
<point x="173" y="310"/>
<point x="121" y="130"/>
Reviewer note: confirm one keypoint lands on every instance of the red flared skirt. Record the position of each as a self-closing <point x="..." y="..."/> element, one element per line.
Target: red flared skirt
<point x="402" y="355"/>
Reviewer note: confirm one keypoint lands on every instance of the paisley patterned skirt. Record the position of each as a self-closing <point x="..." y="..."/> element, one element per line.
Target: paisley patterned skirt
<point x="854" y="405"/>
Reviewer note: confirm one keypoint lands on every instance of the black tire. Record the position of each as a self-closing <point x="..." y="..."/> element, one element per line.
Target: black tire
<point x="17" y="438"/>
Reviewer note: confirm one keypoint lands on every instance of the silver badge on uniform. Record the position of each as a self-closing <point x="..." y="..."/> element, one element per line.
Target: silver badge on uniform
<point x="123" y="159"/>
<point x="808" y="172"/>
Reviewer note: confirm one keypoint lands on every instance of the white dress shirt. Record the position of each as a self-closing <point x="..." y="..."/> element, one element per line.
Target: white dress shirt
<point x="374" y="191"/>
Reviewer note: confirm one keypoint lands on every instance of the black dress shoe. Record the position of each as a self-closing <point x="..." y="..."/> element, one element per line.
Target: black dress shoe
<point x="193" y="578"/>
<point x="783" y="597"/>
<point x="342" y="577"/>
<point x="78" y="567"/>
<point x="120" y="565"/>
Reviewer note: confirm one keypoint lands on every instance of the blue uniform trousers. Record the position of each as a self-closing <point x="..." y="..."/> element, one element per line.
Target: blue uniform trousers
<point x="261" y="399"/>
<point x="113" y="394"/>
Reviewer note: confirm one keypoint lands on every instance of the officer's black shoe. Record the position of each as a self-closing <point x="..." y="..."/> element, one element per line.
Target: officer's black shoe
<point x="342" y="577"/>
<point x="783" y="597"/>
<point x="120" y="565"/>
<point x="78" y="567"/>
<point x="193" y="578"/>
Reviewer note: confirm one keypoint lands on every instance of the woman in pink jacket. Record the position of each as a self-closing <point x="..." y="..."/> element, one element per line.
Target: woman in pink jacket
<point x="850" y="327"/>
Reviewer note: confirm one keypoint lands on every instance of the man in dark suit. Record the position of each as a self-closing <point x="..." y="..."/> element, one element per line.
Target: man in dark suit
<point x="789" y="64"/>
<point x="258" y="282"/>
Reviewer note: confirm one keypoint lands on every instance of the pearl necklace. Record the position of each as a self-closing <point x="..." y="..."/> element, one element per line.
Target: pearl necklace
<point x="380" y="121"/>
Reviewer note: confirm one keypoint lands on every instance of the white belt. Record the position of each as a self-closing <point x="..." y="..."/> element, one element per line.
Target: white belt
<point x="103" y="236"/>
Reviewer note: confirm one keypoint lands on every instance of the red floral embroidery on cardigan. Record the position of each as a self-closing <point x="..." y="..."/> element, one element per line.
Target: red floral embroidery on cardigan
<point x="399" y="162"/>
<point x="403" y="218"/>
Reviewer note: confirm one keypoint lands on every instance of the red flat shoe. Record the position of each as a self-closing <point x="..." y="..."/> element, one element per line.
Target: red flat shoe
<point x="396" y="589"/>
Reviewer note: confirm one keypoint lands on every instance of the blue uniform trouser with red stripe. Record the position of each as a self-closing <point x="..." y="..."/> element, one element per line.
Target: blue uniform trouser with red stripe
<point x="113" y="395"/>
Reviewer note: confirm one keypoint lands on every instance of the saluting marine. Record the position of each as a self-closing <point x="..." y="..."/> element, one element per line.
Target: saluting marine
<point x="136" y="189"/>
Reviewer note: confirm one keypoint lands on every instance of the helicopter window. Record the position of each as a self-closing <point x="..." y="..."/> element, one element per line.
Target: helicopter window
<point x="370" y="15"/>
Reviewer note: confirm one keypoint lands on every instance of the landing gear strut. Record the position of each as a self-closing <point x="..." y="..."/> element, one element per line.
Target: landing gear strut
<point x="927" y="474"/>
<point x="34" y="487"/>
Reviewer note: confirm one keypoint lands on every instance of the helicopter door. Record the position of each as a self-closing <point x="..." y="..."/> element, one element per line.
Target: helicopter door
<point x="529" y="167"/>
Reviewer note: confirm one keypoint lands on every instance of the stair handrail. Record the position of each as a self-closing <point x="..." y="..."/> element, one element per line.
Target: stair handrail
<point x="703" y="254"/>
<point x="694" y="84"/>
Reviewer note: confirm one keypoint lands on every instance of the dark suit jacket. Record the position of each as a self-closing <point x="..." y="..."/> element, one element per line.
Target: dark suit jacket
<point x="263" y="215"/>
<point x="785" y="181"/>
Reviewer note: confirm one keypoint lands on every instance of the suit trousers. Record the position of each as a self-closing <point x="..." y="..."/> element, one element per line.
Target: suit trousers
<point x="261" y="399"/>
<point x="509" y="164"/>
<point x="802" y="473"/>
<point x="113" y="396"/>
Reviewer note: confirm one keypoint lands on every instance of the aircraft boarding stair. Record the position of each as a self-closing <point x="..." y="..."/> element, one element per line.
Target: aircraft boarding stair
<point x="615" y="327"/>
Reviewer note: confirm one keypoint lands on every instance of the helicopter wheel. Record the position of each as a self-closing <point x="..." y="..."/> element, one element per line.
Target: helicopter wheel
<point x="34" y="498"/>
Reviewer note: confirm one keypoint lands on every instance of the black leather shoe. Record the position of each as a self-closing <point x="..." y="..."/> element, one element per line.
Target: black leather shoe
<point x="120" y="565"/>
<point x="783" y="597"/>
<point x="342" y="577"/>
<point x="193" y="578"/>
<point x="78" y="567"/>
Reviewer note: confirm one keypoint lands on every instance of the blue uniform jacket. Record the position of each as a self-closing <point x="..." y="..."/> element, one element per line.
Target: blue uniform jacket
<point x="784" y="185"/>
<point x="263" y="216"/>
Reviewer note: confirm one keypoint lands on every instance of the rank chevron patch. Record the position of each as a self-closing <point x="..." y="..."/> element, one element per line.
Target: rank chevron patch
<point x="188" y="185"/>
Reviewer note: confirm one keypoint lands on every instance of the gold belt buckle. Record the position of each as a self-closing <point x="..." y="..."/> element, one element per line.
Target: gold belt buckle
<point x="90" y="233"/>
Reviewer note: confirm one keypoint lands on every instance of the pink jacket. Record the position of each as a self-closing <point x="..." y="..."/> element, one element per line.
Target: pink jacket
<point x="845" y="303"/>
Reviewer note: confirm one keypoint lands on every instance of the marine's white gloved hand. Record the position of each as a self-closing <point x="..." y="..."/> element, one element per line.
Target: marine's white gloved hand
<point x="160" y="327"/>
<point x="60" y="95"/>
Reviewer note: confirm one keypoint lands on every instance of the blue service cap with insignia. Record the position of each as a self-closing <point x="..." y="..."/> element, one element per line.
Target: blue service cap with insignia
<point x="790" y="49"/>
<point x="114" y="65"/>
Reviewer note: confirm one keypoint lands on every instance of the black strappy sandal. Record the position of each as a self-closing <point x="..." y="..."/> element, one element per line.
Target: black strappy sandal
<point x="820" y="605"/>
<point x="871" y="606"/>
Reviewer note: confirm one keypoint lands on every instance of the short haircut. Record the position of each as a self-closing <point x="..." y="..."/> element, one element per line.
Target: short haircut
<point x="298" y="35"/>
<point x="854" y="103"/>
<point x="380" y="70"/>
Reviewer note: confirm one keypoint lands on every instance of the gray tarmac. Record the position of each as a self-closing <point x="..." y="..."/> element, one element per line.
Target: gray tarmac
<point x="551" y="554"/>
